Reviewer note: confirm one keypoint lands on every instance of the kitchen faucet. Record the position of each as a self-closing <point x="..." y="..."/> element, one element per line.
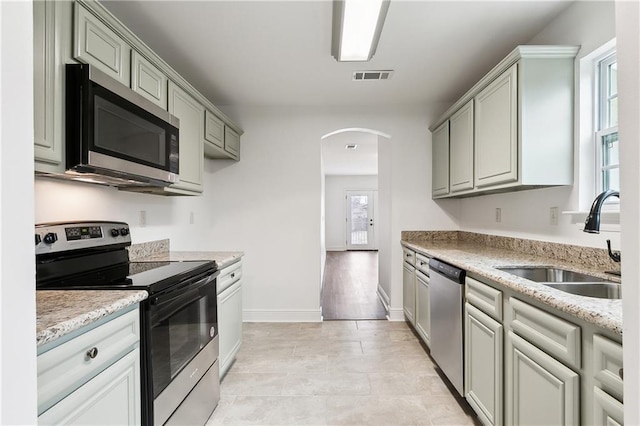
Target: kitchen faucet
<point x="592" y="224"/>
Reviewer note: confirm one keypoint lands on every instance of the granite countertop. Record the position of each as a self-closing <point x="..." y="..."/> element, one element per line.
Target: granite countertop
<point x="222" y="258"/>
<point x="483" y="260"/>
<point x="59" y="312"/>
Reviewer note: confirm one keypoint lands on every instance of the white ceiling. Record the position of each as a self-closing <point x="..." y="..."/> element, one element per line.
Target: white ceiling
<point x="278" y="53"/>
<point x="272" y="53"/>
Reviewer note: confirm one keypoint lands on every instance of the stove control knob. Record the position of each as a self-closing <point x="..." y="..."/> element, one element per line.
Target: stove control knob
<point x="38" y="239"/>
<point x="115" y="232"/>
<point x="124" y="232"/>
<point x="50" y="238"/>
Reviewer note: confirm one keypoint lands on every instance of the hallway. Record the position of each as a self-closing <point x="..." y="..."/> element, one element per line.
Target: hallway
<point x="349" y="288"/>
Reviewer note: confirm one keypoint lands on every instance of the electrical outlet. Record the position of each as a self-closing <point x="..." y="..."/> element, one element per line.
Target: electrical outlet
<point x="191" y="218"/>
<point x="553" y="215"/>
<point x="143" y="218"/>
<point x="498" y="214"/>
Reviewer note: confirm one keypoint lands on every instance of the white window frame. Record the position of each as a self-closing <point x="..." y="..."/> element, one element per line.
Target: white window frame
<point x="601" y="120"/>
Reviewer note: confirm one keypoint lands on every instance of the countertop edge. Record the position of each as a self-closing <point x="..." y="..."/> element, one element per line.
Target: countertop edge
<point x="63" y="328"/>
<point x="577" y="306"/>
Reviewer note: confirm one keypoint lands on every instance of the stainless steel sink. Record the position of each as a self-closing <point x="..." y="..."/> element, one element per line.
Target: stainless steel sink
<point x="569" y="281"/>
<point x="603" y="290"/>
<point x="552" y="275"/>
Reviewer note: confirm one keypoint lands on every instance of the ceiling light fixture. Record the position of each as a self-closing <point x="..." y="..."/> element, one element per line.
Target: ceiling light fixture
<point x="357" y="25"/>
<point x="351" y="146"/>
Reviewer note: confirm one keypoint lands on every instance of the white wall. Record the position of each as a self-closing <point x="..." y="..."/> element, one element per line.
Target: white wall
<point x="17" y="269"/>
<point x="628" y="51"/>
<point x="269" y="203"/>
<point x="526" y="214"/>
<point x="335" y="207"/>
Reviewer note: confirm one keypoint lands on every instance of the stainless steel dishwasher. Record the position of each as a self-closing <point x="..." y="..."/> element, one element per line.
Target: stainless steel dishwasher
<point x="447" y="293"/>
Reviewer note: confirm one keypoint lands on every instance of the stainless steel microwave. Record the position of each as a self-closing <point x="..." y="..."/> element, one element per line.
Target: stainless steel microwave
<point x="114" y="135"/>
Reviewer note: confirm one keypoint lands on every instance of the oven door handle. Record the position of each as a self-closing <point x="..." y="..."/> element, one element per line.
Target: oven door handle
<point x="191" y="287"/>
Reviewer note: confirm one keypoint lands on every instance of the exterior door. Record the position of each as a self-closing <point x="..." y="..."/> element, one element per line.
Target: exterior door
<point x="360" y="220"/>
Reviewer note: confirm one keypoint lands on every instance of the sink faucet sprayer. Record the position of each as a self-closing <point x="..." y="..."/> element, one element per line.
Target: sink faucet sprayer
<point x="592" y="224"/>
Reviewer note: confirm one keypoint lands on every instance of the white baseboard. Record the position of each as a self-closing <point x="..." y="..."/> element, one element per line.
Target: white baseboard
<point x="384" y="298"/>
<point x="341" y="248"/>
<point x="281" y="315"/>
<point x="396" y="314"/>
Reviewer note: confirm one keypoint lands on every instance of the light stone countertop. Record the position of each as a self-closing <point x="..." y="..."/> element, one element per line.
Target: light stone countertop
<point x="483" y="260"/>
<point x="59" y="312"/>
<point x="222" y="258"/>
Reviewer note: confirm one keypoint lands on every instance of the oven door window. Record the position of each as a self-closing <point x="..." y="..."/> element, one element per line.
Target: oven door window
<point x="129" y="136"/>
<point x="180" y="327"/>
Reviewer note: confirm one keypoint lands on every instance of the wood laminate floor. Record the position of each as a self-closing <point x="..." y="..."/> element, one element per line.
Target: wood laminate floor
<point x="350" y="284"/>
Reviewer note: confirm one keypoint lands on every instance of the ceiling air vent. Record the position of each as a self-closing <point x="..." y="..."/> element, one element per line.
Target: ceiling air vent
<point x="372" y="75"/>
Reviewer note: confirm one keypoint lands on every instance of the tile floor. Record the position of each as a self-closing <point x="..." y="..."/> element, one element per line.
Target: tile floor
<point x="335" y="373"/>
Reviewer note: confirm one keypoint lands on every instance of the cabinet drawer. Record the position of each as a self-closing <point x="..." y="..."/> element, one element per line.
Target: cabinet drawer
<point x="606" y="409"/>
<point x="422" y="264"/>
<point x="557" y="337"/>
<point x="232" y="142"/>
<point x="485" y="298"/>
<point x="409" y="256"/>
<point x="64" y="368"/>
<point x="213" y="129"/>
<point x="110" y="398"/>
<point x="229" y="275"/>
<point x="607" y="363"/>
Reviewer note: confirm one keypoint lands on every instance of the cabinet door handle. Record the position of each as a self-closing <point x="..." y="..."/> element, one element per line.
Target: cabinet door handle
<point x="408" y="255"/>
<point x="620" y="373"/>
<point x="233" y="275"/>
<point x="92" y="353"/>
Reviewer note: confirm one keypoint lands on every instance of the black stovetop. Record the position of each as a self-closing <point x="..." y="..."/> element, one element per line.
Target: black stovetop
<point x="150" y="276"/>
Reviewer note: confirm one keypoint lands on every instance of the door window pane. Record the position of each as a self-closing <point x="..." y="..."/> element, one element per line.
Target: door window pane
<point x="359" y="219"/>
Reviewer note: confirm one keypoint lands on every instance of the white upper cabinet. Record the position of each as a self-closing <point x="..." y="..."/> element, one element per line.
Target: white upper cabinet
<point x="514" y="128"/>
<point x="98" y="45"/>
<point x="47" y="88"/>
<point x="85" y="31"/>
<point x="148" y="80"/>
<point x="191" y="115"/>
<point x="440" y="163"/>
<point x="213" y="133"/>
<point x="461" y="148"/>
<point x="496" y="137"/>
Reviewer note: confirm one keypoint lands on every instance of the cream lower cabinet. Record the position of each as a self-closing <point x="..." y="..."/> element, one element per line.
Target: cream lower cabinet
<point x="608" y="389"/>
<point x="606" y="409"/>
<point x="93" y="378"/>
<point x="423" y="314"/>
<point x="229" y="314"/>
<point x="483" y="365"/>
<point x="539" y="389"/>
<point x="409" y="292"/>
<point x="110" y="398"/>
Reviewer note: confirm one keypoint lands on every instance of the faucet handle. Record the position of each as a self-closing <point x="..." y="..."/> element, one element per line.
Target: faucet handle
<point x="614" y="256"/>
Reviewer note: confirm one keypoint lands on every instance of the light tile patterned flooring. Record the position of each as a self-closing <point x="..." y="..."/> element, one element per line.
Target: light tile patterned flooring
<point x="335" y="373"/>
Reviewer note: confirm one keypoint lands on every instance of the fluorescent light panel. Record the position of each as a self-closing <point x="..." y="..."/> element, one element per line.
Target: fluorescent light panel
<point x="357" y="28"/>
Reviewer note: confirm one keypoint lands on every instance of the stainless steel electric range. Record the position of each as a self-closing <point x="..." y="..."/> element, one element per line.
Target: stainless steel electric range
<point x="179" y="343"/>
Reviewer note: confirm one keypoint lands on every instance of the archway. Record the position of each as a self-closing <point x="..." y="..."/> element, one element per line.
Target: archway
<point x="359" y="173"/>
